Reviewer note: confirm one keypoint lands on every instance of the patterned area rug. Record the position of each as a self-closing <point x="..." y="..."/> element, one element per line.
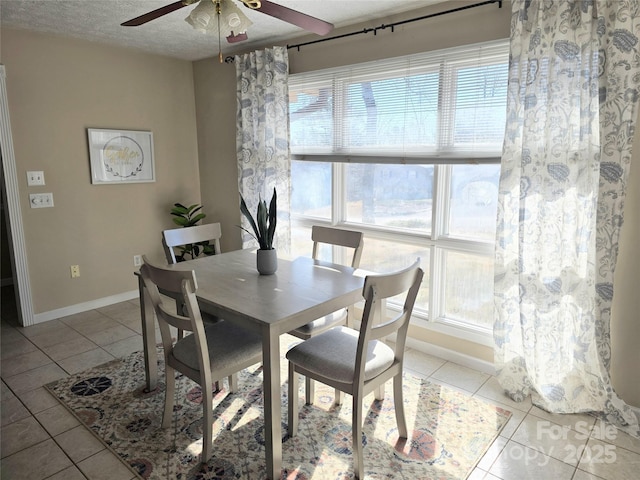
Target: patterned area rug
<point x="449" y="431"/>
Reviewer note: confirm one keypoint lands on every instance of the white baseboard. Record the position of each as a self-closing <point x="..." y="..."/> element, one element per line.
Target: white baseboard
<point x="452" y="356"/>
<point x="83" y="307"/>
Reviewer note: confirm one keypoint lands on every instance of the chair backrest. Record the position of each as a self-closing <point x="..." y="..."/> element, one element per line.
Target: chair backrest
<point x="189" y="235"/>
<point x="177" y="283"/>
<point x="338" y="237"/>
<point x="377" y="288"/>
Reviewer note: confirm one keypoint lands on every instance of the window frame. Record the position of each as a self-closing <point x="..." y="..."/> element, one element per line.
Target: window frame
<point x="433" y="317"/>
<point x="438" y="240"/>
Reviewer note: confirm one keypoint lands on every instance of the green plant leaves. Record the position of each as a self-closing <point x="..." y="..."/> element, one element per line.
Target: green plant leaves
<point x="262" y="220"/>
<point x="189" y="217"/>
<point x="264" y="225"/>
<point x="273" y="214"/>
<point x="247" y="214"/>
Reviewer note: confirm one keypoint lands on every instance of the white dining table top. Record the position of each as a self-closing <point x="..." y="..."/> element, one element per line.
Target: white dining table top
<point x="300" y="291"/>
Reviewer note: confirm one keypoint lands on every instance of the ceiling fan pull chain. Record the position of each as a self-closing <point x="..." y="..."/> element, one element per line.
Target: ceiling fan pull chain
<point x="218" y="13"/>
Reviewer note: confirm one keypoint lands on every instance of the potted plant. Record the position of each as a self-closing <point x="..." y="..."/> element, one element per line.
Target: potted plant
<point x="189" y="217"/>
<point x="264" y="229"/>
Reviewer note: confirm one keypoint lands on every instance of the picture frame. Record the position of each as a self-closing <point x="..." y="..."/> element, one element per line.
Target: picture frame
<point x="121" y="156"/>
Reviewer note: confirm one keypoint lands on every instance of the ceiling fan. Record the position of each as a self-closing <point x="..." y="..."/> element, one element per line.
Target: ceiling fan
<point x="286" y="14"/>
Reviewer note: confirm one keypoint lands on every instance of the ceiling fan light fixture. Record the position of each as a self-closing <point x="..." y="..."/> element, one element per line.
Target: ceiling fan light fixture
<point x="200" y="21"/>
<point x="204" y="18"/>
<point x="233" y="20"/>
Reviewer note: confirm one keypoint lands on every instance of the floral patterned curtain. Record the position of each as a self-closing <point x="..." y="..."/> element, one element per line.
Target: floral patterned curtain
<point x="572" y="106"/>
<point x="262" y="136"/>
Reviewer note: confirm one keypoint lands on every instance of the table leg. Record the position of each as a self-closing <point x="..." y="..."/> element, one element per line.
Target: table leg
<point x="272" y="402"/>
<point x="148" y="339"/>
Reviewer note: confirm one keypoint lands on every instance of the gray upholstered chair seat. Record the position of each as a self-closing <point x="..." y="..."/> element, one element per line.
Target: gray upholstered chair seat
<point x="333" y="355"/>
<point x="320" y="324"/>
<point x="228" y="345"/>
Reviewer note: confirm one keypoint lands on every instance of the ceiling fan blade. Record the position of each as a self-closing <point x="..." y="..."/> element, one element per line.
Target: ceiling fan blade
<point x="159" y="12"/>
<point x="294" y="17"/>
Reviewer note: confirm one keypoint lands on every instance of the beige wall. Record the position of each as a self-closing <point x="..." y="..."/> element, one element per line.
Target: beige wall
<point x="215" y="89"/>
<point x="57" y="88"/>
<point x="625" y="312"/>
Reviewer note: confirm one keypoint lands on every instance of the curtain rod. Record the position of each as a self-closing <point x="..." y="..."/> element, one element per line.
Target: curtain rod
<point x="393" y="25"/>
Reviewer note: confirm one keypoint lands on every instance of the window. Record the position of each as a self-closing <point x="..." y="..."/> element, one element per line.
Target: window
<point x="408" y="150"/>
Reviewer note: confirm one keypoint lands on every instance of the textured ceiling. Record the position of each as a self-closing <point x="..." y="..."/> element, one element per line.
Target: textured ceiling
<point x="99" y="20"/>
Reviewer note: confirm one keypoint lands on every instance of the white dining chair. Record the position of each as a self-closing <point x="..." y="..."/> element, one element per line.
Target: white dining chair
<point x="201" y="235"/>
<point x="210" y="353"/>
<point x="323" y="237"/>
<point x="359" y="362"/>
<point x="178" y="237"/>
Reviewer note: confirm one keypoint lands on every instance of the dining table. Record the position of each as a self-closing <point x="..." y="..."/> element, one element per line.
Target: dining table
<point x="230" y="287"/>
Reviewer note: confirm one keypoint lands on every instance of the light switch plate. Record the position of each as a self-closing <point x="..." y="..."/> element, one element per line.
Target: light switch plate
<point x="35" y="178"/>
<point x="41" y="200"/>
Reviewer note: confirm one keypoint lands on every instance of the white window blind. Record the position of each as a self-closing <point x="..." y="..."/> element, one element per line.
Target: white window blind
<point x="446" y="106"/>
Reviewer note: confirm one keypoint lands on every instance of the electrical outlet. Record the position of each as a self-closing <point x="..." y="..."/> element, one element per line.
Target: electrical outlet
<point x="137" y="260"/>
<point x="75" y="271"/>
<point x="41" y="200"/>
<point x="35" y="178"/>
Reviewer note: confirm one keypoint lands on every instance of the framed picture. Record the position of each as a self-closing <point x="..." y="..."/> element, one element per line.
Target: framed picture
<point x="121" y="156"/>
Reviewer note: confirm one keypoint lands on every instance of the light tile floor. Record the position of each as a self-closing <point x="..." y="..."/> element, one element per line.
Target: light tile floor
<point x="39" y="439"/>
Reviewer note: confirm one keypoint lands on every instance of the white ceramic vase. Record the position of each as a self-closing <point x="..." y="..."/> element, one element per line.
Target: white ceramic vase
<point x="267" y="261"/>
